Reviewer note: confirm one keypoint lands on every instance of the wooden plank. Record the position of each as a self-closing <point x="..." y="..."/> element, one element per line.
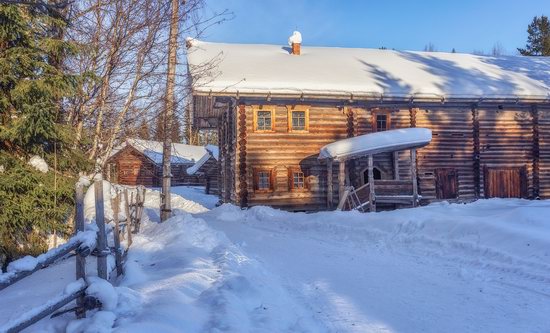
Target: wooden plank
<point x="101" y="235"/>
<point x="341" y="179"/>
<point x="62" y="251"/>
<point x="49" y="308"/>
<point x="116" y="235"/>
<point x="413" y="177"/>
<point x="80" y="260"/>
<point x="372" y="195"/>
<point x="128" y="218"/>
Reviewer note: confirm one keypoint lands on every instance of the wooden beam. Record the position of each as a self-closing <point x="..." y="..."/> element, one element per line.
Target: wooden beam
<point x="413" y="176"/>
<point x="80" y="259"/>
<point x="330" y="198"/>
<point x="35" y="315"/>
<point x="372" y="195"/>
<point x="242" y="140"/>
<point x="341" y="179"/>
<point x="536" y="152"/>
<point x="396" y="165"/>
<point x="101" y="236"/>
<point x="116" y="235"/>
<point x="128" y="218"/>
<point x="477" y="152"/>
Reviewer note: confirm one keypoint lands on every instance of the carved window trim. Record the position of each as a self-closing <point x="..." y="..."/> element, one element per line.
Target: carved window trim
<point x="259" y="172"/>
<point x="292" y="186"/>
<point x="375" y="122"/>
<point x="255" y="120"/>
<point x="298" y="108"/>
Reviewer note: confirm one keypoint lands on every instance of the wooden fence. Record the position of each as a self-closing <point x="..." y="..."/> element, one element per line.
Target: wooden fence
<point x="83" y="246"/>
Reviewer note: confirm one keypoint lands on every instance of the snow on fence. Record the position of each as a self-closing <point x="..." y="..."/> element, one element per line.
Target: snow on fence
<point x="89" y="239"/>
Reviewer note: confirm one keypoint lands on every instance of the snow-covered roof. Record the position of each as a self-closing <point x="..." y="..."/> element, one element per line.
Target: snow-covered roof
<point x="181" y="153"/>
<point x="375" y="143"/>
<point x="263" y="69"/>
<point x="213" y="151"/>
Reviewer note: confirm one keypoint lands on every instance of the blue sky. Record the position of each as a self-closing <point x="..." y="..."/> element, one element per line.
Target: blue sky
<point x="465" y="25"/>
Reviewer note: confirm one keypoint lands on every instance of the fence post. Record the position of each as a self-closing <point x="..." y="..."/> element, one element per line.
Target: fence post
<point x="128" y="219"/>
<point x="80" y="260"/>
<point x="116" y="236"/>
<point x="101" y="236"/>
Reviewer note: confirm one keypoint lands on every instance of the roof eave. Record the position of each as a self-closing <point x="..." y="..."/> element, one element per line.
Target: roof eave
<point x="377" y="97"/>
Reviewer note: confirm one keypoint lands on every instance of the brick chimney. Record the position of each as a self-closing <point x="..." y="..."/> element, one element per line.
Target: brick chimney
<point x="295" y="41"/>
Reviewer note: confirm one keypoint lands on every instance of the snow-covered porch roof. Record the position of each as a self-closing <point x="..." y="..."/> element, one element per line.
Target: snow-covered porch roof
<point x="375" y="143"/>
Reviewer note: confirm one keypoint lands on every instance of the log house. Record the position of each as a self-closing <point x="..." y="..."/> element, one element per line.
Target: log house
<point x="490" y="120"/>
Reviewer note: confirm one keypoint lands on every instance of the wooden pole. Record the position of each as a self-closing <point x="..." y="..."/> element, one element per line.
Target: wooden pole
<point x="341" y="179"/>
<point x="128" y="219"/>
<point x="413" y="176"/>
<point x="396" y="165"/>
<point x="330" y="192"/>
<point x="372" y="196"/>
<point x="170" y="105"/>
<point x="101" y="236"/>
<point x="116" y="236"/>
<point x="80" y="260"/>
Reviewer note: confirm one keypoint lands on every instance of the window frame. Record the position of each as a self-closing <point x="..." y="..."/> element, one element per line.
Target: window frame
<point x="291" y="185"/>
<point x="298" y="108"/>
<point x="255" y="120"/>
<point x="256" y="179"/>
<point x="375" y="114"/>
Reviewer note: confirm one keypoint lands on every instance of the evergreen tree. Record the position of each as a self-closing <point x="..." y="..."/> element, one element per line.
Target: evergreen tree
<point x="32" y="82"/>
<point x="538" y="40"/>
<point x="33" y="87"/>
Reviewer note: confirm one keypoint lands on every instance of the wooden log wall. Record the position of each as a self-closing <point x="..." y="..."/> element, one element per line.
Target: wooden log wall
<point x="280" y="149"/>
<point x="506" y="141"/>
<point x="466" y="141"/>
<point x="452" y="147"/>
<point x="133" y="168"/>
<point x="242" y="136"/>
<point x="544" y="152"/>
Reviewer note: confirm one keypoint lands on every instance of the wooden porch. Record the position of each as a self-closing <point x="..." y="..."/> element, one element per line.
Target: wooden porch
<point x="393" y="191"/>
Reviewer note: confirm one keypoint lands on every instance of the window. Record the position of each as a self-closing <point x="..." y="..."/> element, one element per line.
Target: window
<point x="263" y="180"/>
<point x="263" y="120"/>
<point x="381" y="121"/>
<point x="297" y="179"/>
<point x="298" y="118"/>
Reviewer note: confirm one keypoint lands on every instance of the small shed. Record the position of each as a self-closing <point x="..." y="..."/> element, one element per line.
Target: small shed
<point x="394" y="191"/>
<point x="207" y="169"/>
<point x="139" y="162"/>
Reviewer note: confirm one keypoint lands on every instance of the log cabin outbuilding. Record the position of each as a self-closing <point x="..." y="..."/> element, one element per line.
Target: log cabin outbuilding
<point x="276" y="107"/>
<point x="139" y="162"/>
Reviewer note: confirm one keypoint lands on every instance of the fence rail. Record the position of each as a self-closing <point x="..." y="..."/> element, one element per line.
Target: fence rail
<point x="83" y="245"/>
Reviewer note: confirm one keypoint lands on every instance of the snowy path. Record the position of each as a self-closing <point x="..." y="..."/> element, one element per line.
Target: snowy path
<point x="354" y="281"/>
<point x="481" y="267"/>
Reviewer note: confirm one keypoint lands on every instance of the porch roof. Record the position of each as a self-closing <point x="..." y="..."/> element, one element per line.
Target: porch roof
<point x="375" y="143"/>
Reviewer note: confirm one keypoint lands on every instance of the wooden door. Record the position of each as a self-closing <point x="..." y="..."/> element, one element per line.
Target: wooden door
<point x="505" y="182"/>
<point x="446" y="183"/>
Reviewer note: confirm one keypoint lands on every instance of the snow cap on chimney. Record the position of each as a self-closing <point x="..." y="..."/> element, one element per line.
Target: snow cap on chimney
<point x="295" y="42"/>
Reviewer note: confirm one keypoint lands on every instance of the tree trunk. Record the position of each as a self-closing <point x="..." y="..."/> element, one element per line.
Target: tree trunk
<point x="165" y="206"/>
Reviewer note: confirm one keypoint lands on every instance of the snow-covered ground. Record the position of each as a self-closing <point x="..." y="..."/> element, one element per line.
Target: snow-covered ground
<point x="481" y="267"/>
